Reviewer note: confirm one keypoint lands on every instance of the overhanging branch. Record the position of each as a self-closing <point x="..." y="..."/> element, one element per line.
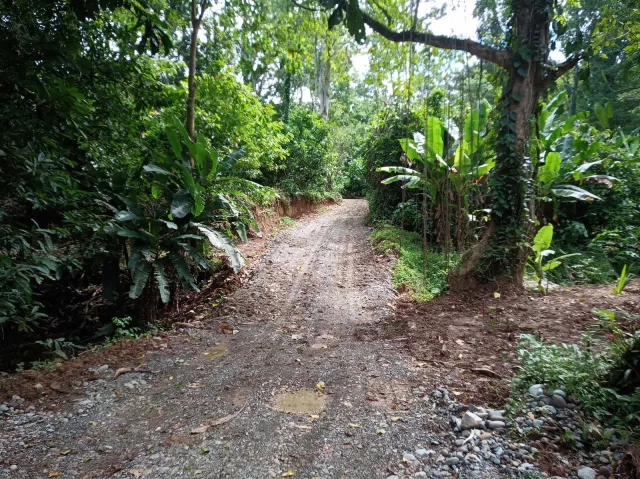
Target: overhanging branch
<point x="490" y="54"/>
<point x="563" y="68"/>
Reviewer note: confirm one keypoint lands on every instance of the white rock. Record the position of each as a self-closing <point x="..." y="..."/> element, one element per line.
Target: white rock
<point x="536" y="390"/>
<point x="587" y="473"/>
<point x="470" y="420"/>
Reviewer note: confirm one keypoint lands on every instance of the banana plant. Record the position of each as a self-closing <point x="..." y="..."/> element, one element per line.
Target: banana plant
<point x="463" y="165"/>
<point x="174" y="223"/>
<point x="539" y="263"/>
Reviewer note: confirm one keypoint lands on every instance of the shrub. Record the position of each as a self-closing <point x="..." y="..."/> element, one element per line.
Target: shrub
<point x="599" y="371"/>
<point x="382" y="148"/>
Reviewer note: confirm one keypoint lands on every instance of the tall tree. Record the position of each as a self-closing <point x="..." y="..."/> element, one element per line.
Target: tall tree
<point x="525" y="58"/>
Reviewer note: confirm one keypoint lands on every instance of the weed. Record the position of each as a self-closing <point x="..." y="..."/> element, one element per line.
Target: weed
<point x="60" y="347"/>
<point x="286" y="221"/>
<point x="124" y="328"/>
<point x="623" y="281"/>
<point x="596" y="371"/>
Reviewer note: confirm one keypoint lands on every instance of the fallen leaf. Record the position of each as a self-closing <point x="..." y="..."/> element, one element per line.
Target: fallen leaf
<point x="92" y="423"/>
<point x="289" y="473"/>
<point x="351" y="424"/>
<point x="64" y="453"/>
<point x="486" y="372"/>
<point x="314" y="416"/>
<point x="226" y="329"/>
<point x="380" y="432"/>
<point x="496" y="295"/>
<point x="54" y="474"/>
<point x="204" y="450"/>
<point x="121" y="371"/>
<point x="320" y="386"/>
<point x="217" y="422"/>
<point x="396" y="418"/>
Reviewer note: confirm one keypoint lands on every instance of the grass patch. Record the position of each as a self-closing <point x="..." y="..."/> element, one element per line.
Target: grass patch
<point x="286" y="221"/>
<point x="407" y="273"/>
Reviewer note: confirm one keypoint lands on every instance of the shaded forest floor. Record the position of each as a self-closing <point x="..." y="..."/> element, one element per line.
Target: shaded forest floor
<point x="310" y="369"/>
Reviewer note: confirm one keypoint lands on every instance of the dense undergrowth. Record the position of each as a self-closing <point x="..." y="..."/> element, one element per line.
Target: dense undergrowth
<point x="409" y="275"/>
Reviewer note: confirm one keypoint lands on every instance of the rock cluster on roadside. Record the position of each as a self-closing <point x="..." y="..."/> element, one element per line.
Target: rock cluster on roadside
<point x="486" y="443"/>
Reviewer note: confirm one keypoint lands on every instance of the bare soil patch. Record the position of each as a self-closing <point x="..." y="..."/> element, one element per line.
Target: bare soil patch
<point x="468" y="338"/>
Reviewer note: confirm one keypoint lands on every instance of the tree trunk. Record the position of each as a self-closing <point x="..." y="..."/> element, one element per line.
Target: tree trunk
<point x="326" y="83"/>
<point x="504" y="256"/>
<point x="500" y="253"/>
<point x="196" y="20"/>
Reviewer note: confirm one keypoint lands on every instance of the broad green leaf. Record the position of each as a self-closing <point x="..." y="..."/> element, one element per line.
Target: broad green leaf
<point x="182" y="269"/>
<point x="163" y="281"/>
<point x="203" y="166"/>
<point x="434" y="142"/>
<point x="198" y="258"/>
<point x="543" y="238"/>
<point x="131" y="234"/>
<point x="157" y="170"/>
<point x="603" y="114"/>
<point x="571" y="191"/>
<point x="548" y="172"/>
<point x="223" y="242"/>
<point x="241" y="229"/>
<point x="409" y="148"/>
<point x="140" y="278"/>
<point x="126" y="216"/>
<point x="398" y="169"/>
<point x="408" y="181"/>
<point x="176" y="146"/>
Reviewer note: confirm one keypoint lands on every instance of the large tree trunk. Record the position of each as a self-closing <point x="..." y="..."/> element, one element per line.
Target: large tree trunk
<point x="501" y="254"/>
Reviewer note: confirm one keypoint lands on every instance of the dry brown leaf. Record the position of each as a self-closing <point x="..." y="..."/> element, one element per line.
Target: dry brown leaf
<point x="121" y="371"/>
<point x="216" y="422"/>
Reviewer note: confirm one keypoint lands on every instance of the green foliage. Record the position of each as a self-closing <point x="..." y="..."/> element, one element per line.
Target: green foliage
<point x="381" y="148"/>
<point x="189" y="195"/>
<point x="540" y="263"/>
<point x="623" y="281"/>
<point x="286" y="221"/>
<point x="307" y="169"/>
<point x="123" y="328"/>
<point x="585" y="371"/>
<point x="352" y="179"/>
<point x="408" y="272"/>
<point x="60" y="347"/>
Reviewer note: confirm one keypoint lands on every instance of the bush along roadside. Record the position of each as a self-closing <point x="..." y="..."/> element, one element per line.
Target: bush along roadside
<point x="420" y="278"/>
<point x="581" y="399"/>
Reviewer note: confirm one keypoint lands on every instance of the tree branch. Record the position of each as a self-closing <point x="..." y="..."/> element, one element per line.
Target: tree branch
<point x="562" y="68"/>
<point x="490" y="54"/>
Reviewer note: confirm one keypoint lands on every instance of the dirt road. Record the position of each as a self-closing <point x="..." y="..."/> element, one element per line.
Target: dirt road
<point x="309" y="399"/>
